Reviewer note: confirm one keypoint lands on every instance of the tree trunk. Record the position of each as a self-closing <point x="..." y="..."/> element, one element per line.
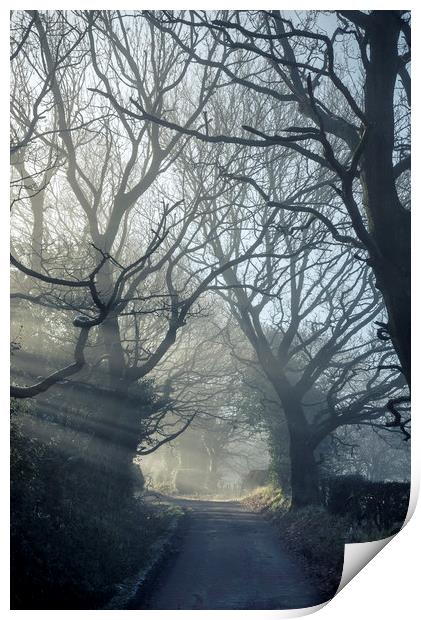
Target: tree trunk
<point x="212" y="478"/>
<point x="116" y="434"/>
<point x="36" y="195"/>
<point x="304" y="472"/>
<point x="37" y="203"/>
<point x="389" y="221"/>
<point x="110" y="329"/>
<point x="118" y="418"/>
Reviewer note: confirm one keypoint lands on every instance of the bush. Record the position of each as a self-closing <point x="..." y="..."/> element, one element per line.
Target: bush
<point x="318" y="538"/>
<point x="254" y="479"/>
<point x="268" y="499"/>
<point x="312" y="534"/>
<point x="189" y="481"/>
<point x="76" y="530"/>
<point x="373" y="508"/>
<point x="355" y="510"/>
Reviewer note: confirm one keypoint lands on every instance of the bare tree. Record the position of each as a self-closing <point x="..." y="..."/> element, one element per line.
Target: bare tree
<point x="162" y="215"/>
<point x="306" y="307"/>
<point x="364" y="108"/>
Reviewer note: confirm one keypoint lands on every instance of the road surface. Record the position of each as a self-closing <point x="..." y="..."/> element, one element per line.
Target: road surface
<point x="229" y="558"/>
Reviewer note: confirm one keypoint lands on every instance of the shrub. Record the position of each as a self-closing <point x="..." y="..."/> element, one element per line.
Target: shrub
<point x="267" y="499"/>
<point x="372" y="508"/>
<point x="317" y="538"/>
<point x="355" y="510"/>
<point x="76" y="530"/>
<point x="312" y="534"/>
<point x="189" y="481"/>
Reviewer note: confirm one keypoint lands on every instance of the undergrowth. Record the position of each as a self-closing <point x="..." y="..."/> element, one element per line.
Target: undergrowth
<point x="75" y="533"/>
<point x="314" y="535"/>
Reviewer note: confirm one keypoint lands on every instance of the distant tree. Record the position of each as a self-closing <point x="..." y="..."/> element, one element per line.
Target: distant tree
<point x="378" y="454"/>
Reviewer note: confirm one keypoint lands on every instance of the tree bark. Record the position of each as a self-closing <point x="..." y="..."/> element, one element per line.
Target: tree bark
<point x="110" y="329"/>
<point x="212" y="477"/>
<point x="389" y="221"/>
<point x="304" y="472"/>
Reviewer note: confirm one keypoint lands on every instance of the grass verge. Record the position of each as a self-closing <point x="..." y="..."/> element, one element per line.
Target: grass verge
<point x="314" y="536"/>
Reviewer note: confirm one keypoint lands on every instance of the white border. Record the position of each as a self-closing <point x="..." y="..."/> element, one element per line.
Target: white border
<point x="388" y="585"/>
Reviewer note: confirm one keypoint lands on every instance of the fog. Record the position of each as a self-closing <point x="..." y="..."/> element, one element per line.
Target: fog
<point x="210" y="261"/>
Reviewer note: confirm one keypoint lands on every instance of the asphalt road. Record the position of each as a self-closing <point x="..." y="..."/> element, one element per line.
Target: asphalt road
<point x="230" y="558"/>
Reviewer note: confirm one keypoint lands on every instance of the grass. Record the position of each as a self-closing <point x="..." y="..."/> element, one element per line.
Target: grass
<point x="314" y="536"/>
